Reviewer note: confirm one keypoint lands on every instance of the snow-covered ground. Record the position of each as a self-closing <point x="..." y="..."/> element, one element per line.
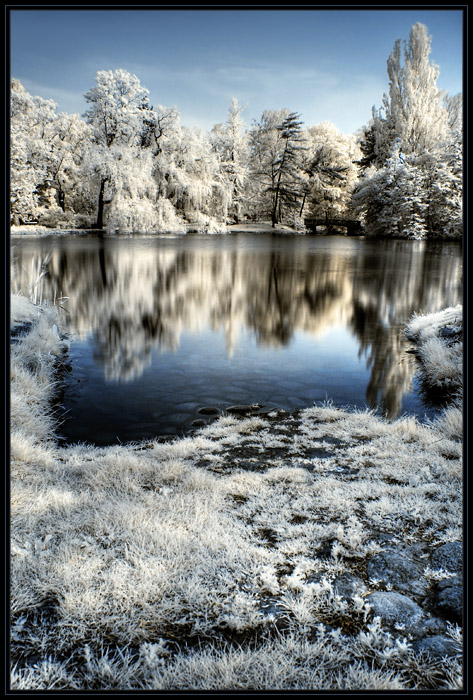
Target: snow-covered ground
<point x="261" y="227"/>
<point x="37" y="230"/>
<point x="317" y="550"/>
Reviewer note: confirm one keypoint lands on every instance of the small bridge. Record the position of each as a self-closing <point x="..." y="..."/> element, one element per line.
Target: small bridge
<point x="352" y="226"/>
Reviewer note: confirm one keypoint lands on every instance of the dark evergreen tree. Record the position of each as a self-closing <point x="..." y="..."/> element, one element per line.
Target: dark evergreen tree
<point x="289" y="185"/>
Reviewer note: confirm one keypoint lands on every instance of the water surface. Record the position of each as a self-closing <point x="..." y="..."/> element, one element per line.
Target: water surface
<point x="164" y="326"/>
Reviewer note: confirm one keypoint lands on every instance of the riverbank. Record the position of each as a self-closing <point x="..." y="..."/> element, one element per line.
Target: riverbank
<point x="35" y="230"/>
<point x="314" y="550"/>
<point x="260" y="227"/>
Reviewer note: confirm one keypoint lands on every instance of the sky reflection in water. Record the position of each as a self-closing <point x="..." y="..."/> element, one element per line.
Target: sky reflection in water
<point x="164" y="326"/>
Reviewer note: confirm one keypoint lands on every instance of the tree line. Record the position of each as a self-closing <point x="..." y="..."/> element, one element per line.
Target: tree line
<point x="127" y="165"/>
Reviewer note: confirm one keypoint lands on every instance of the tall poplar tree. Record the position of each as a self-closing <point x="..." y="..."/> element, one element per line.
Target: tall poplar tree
<point x="414" y="111"/>
<point x="411" y="185"/>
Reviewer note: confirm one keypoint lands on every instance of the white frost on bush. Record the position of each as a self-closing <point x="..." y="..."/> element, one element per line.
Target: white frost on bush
<point x="442" y="362"/>
<point x="424" y="326"/>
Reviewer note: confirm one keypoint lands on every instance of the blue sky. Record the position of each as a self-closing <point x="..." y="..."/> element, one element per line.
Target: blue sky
<point x="323" y="64"/>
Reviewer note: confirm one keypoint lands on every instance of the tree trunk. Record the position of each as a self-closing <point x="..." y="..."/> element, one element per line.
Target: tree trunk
<point x="274" y="213"/>
<point x="101" y="203"/>
<point x="277" y="205"/>
<point x="61" y="198"/>
<point x="302" y="205"/>
<point x="277" y="200"/>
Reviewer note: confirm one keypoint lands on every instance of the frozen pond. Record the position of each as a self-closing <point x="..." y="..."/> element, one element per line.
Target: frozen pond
<point x="164" y="326"/>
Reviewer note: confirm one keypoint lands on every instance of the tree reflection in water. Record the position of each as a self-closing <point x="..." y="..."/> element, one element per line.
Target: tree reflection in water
<point x="133" y="296"/>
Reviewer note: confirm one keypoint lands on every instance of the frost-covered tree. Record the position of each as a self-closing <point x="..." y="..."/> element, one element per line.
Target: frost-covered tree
<point x="152" y="173"/>
<point x="33" y="128"/>
<point x="454" y="107"/>
<point x="187" y="173"/>
<point x="332" y="171"/>
<point x="230" y="142"/>
<point x="289" y="185"/>
<point x="27" y="162"/>
<point x="116" y="107"/>
<point x="277" y="145"/>
<point x="69" y="149"/>
<point x="444" y="186"/>
<point x="47" y="150"/>
<point x="411" y="159"/>
<point x="412" y="196"/>
<point x="117" y="116"/>
<point x="414" y="111"/>
<point x="162" y="135"/>
<point x="200" y="194"/>
<point x="392" y="198"/>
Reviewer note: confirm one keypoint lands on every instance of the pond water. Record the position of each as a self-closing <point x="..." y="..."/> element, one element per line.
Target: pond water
<point x="164" y="326"/>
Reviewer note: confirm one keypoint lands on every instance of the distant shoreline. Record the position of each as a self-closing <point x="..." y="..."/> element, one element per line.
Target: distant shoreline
<point x="34" y="230"/>
<point x="37" y="230"/>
